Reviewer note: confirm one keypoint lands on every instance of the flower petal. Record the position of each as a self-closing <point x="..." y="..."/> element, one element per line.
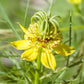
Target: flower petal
<point x="30" y="54"/>
<point x="24" y="29"/>
<point x="75" y="1"/>
<point x="21" y="44"/>
<point x="64" y="50"/>
<point x="47" y="59"/>
<point x="28" y="33"/>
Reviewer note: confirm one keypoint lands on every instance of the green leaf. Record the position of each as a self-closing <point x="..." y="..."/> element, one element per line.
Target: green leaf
<point x="9" y="22"/>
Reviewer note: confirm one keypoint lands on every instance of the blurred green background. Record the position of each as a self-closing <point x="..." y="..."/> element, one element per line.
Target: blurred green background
<point x="13" y="70"/>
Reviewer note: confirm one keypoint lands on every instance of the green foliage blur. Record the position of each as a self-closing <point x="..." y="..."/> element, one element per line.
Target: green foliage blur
<point x="14" y="70"/>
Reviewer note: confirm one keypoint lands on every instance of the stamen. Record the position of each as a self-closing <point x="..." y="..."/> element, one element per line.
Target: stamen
<point x="46" y="41"/>
<point x="51" y="36"/>
<point x="54" y="45"/>
<point x="51" y="32"/>
<point x="43" y="46"/>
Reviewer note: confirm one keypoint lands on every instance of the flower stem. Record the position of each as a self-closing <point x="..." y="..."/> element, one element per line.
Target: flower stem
<point x="26" y="13"/>
<point x="38" y="68"/>
<point x="70" y="29"/>
<point x="77" y="8"/>
<point x="62" y="70"/>
<point x="70" y="35"/>
<point x="53" y="73"/>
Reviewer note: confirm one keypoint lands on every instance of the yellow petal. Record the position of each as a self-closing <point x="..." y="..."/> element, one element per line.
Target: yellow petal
<point x="30" y="54"/>
<point x="75" y="1"/>
<point x="21" y="44"/>
<point x="47" y="59"/>
<point x="24" y="29"/>
<point x="64" y="50"/>
<point x="27" y="33"/>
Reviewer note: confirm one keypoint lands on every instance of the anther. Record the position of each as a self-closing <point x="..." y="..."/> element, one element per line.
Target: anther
<point x="51" y="32"/>
<point x="51" y="36"/>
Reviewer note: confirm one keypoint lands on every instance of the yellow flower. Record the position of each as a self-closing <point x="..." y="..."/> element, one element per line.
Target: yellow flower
<point x="75" y="1"/>
<point x="49" y="39"/>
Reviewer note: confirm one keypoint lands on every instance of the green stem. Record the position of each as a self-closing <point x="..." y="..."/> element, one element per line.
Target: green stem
<point x="76" y="63"/>
<point x="50" y="7"/>
<point x="70" y="35"/>
<point x="76" y="8"/>
<point x="38" y="68"/>
<point x="55" y="72"/>
<point x="9" y="22"/>
<point x="26" y="13"/>
<point x="62" y="70"/>
<point x="70" y="29"/>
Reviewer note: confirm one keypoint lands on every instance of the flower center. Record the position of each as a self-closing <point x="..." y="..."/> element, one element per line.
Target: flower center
<point x="44" y="30"/>
<point x="47" y="25"/>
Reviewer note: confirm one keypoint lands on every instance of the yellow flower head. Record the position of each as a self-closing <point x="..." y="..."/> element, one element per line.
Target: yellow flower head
<point x="42" y="33"/>
<point x="75" y="1"/>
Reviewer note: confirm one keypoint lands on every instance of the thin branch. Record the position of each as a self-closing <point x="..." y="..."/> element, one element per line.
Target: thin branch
<point x="70" y="31"/>
<point x="50" y="74"/>
<point x="55" y="72"/>
<point x="26" y="13"/>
